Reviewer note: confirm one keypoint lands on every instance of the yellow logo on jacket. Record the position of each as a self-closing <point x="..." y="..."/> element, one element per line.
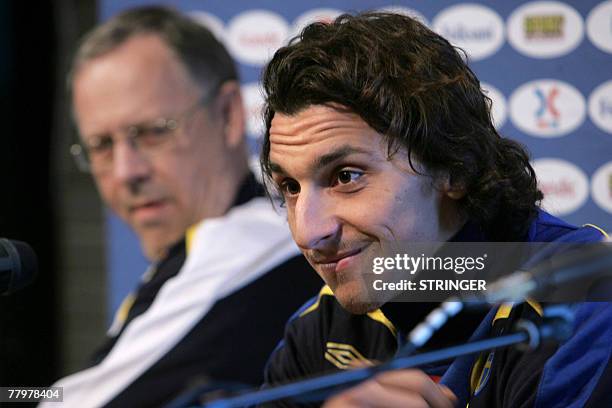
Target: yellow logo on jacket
<point x="345" y="356"/>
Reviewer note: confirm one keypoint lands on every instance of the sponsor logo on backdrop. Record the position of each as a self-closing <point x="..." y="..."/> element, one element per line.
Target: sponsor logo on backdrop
<point x="599" y="26"/>
<point x="498" y="108"/>
<point x="477" y="29"/>
<point x="406" y="11"/>
<point x="254" y="36"/>
<point x="545" y="29"/>
<point x="547" y="115"/>
<point x="564" y="185"/>
<point x="253" y="100"/>
<point x="544" y="26"/>
<point x="323" y="15"/>
<point x="210" y="21"/>
<point x="600" y="106"/>
<point x="547" y="108"/>
<point x="601" y="187"/>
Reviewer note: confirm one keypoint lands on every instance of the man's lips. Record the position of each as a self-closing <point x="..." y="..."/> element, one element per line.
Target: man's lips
<point x="338" y="261"/>
<point x="147" y="208"/>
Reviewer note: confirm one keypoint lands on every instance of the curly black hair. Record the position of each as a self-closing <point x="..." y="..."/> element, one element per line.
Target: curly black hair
<point x="414" y="88"/>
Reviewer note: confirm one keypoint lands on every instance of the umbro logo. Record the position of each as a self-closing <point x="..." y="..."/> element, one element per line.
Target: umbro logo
<point x="345" y="356"/>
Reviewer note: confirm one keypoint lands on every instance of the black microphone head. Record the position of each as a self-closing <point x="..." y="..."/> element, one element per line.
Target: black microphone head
<point x="18" y="265"/>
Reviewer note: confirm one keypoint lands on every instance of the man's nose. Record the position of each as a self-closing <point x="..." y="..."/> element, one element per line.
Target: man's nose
<point x="130" y="166"/>
<point x="315" y="224"/>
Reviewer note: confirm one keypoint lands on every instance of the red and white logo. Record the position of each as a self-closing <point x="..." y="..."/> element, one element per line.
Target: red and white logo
<point x="320" y="15"/>
<point x="253" y="100"/>
<point x="498" y="108"/>
<point x="564" y="185"/>
<point x="476" y="29"/>
<point x="545" y="29"/>
<point x="599" y="26"/>
<point x="254" y="36"/>
<point x="601" y="187"/>
<point x="547" y="108"/>
<point x="600" y="106"/>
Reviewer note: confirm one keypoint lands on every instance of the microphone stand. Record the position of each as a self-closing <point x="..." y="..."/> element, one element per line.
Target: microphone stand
<point x="557" y="324"/>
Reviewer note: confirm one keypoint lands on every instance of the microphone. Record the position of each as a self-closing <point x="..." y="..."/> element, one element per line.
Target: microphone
<point x="18" y="265"/>
<point x="591" y="264"/>
<point x="586" y="264"/>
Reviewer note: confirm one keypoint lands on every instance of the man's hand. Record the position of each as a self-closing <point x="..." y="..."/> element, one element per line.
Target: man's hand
<point x="402" y="388"/>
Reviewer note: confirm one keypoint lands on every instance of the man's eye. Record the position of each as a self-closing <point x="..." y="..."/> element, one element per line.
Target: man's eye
<point x="347" y="176"/>
<point x="156" y="130"/>
<point x="289" y="187"/>
<point x="151" y="135"/>
<point x="101" y="145"/>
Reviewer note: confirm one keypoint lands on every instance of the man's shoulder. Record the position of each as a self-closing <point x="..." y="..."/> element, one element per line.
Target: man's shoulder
<point x="254" y="217"/>
<point x="243" y="244"/>
<point x="581" y="360"/>
<point x="314" y="320"/>
<point x="548" y="228"/>
<point x="322" y="336"/>
<point x="326" y="316"/>
<point x="572" y="373"/>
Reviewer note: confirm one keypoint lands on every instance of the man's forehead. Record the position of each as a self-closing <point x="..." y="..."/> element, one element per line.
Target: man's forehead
<point x="138" y="80"/>
<point x="320" y="136"/>
<point x="313" y="124"/>
<point x="134" y="63"/>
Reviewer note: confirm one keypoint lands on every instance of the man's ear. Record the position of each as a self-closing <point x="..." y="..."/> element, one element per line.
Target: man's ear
<point x="231" y="110"/>
<point x="455" y="191"/>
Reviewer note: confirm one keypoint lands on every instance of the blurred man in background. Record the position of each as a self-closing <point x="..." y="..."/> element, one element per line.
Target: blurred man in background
<point x="157" y="103"/>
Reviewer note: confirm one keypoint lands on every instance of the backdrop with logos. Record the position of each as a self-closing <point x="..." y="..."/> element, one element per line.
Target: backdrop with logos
<point x="547" y="66"/>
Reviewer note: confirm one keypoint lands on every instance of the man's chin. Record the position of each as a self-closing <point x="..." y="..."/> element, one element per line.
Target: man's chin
<point x="360" y="308"/>
<point x="354" y="299"/>
<point x="156" y="242"/>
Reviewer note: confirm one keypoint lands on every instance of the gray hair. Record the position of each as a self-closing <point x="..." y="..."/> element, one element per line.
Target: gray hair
<point x="205" y="58"/>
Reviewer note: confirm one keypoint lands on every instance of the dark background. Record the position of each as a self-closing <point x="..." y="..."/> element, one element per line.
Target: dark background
<point x="28" y="337"/>
<point x="36" y="39"/>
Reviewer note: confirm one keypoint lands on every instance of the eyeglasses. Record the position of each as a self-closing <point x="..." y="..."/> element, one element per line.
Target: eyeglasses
<point x="148" y="138"/>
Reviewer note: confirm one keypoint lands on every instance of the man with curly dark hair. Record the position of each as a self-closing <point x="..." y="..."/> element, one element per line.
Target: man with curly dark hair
<point x="379" y="132"/>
